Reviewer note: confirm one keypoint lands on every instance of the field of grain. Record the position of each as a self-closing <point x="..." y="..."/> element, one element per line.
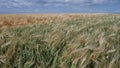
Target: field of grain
<point x="28" y="19"/>
<point x="60" y="41"/>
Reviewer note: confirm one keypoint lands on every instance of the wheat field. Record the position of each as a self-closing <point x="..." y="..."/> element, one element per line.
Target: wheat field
<point x="60" y="41"/>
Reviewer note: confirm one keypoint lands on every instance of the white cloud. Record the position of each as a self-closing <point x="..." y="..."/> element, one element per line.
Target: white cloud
<point x="29" y="3"/>
<point x="14" y="3"/>
<point x="76" y="2"/>
<point x="98" y="1"/>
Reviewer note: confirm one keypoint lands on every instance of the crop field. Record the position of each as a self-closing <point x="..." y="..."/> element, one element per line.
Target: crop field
<point x="60" y="41"/>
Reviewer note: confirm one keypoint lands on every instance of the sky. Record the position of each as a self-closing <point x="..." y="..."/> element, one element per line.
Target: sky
<point x="59" y="6"/>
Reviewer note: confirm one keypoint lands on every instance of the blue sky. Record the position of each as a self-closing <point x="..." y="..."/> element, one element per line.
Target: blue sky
<point x="59" y="6"/>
